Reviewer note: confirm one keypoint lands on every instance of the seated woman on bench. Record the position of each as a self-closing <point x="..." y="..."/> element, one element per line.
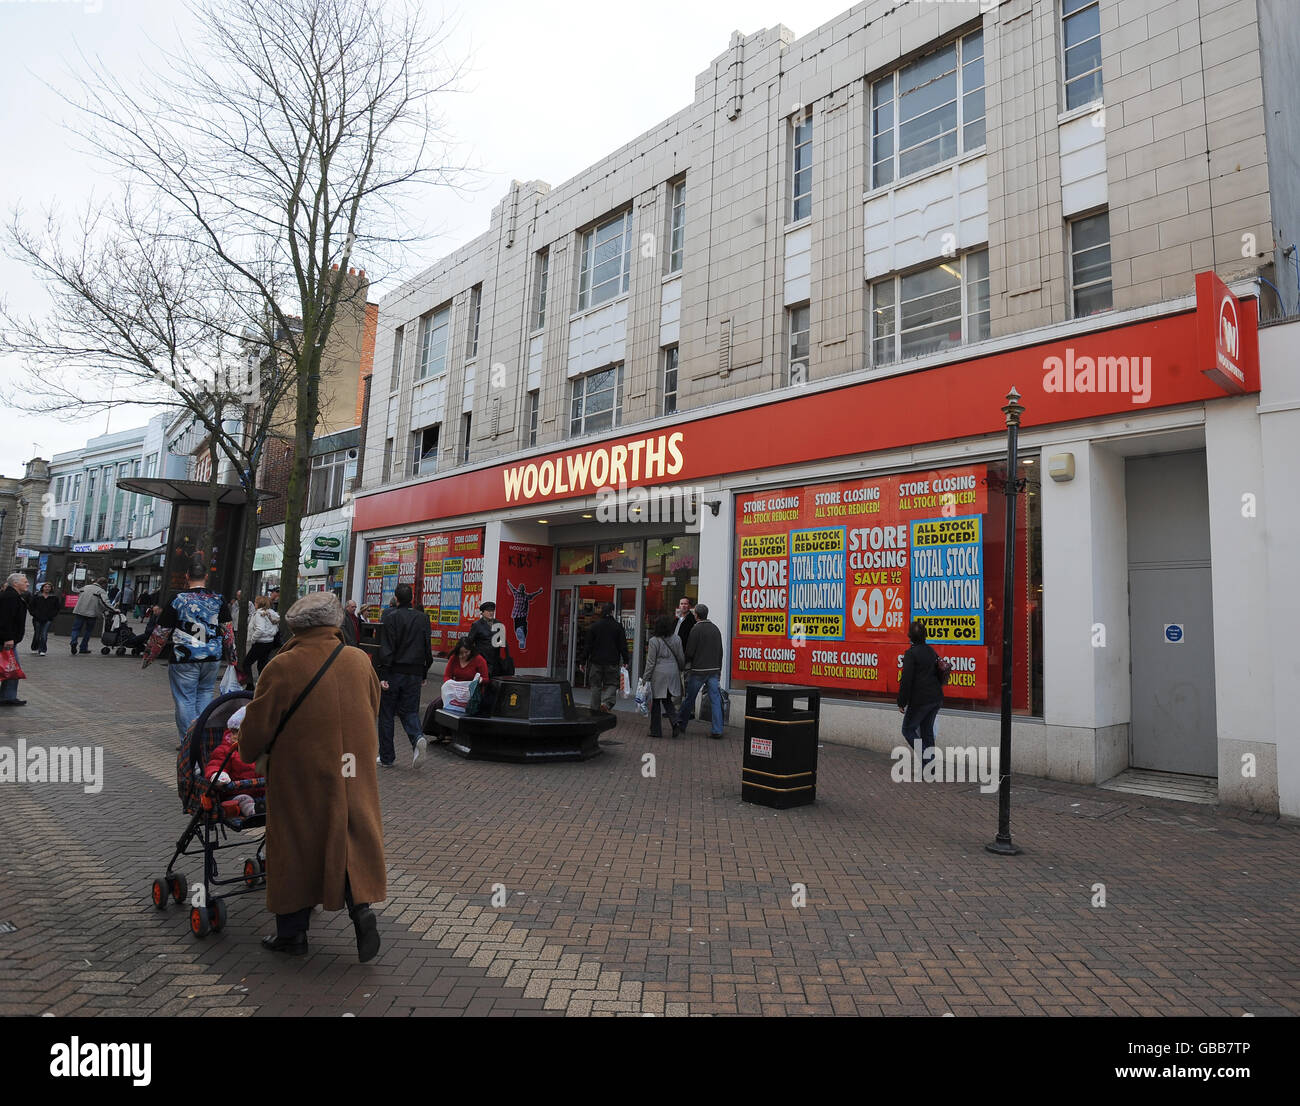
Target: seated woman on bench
<point x="464" y="665"/>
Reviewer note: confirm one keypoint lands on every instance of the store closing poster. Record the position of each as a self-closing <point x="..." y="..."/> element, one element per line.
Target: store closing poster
<point x="524" y="600"/>
<point x="830" y="576"/>
<point x="445" y="571"/>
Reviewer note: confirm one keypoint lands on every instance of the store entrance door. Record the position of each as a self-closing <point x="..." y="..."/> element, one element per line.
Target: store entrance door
<point x="576" y="608"/>
<point x="1174" y="721"/>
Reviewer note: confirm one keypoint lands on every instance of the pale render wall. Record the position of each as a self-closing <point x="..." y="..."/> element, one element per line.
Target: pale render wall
<point x="1171" y="212"/>
<point x="1279" y="422"/>
<point x="1243" y="666"/>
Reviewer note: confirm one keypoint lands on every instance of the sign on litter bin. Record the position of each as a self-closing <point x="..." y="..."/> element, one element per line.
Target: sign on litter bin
<point x="780" y="753"/>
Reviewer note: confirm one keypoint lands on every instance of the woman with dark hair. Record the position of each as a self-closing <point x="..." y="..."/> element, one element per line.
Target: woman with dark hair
<point x="465" y="664"/>
<point x="920" y="691"/>
<point x="664" y="661"/>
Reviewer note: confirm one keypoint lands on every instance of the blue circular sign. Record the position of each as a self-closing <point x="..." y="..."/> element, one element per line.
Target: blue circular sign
<point x="1173" y="633"/>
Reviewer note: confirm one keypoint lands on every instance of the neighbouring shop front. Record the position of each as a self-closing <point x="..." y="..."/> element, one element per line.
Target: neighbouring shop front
<point x="817" y="524"/>
<point x="323" y="563"/>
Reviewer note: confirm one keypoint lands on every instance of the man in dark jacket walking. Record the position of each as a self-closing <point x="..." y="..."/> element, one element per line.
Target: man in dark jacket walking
<point x="405" y="654"/>
<point x="920" y="692"/>
<point x="43" y="607"/>
<point x="704" y="667"/>
<point x="685" y="620"/>
<point x="13" y="628"/>
<point x="606" y="650"/>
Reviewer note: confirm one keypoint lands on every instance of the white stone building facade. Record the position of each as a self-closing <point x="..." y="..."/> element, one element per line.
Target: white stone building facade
<point x="826" y="271"/>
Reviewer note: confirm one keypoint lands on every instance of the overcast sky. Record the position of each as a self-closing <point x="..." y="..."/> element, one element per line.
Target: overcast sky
<point x="553" y="87"/>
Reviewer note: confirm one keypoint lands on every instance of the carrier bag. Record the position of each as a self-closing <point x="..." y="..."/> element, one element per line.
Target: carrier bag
<point x="642" y="697"/>
<point x="10" y="669"/>
<point x="455" y="695"/>
<point x="624" y="681"/>
<point x="508" y="664"/>
<point x="229" y="682"/>
<point x="475" y="703"/>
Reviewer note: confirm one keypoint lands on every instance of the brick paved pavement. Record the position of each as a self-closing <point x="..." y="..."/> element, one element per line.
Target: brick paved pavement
<point x="636" y="895"/>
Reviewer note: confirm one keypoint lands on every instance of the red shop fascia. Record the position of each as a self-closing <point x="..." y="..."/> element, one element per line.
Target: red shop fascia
<point x="1188" y="357"/>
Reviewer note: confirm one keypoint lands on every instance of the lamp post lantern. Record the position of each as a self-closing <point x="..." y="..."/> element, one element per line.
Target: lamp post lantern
<point x="1002" y="844"/>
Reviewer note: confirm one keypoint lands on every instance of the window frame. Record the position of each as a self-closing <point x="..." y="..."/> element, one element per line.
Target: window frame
<point x="963" y="61"/>
<point x="428" y="325"/>
<point x="541" y="282"/>
<point x="1066" y="81"/>
<point x="534" y="410"/>
<point x="671" y="381"/>
<point x="475" y="316"/>
<point x="331" y="468"/>
<point x="466" y="435"/>
<point x="579" y="419"/>
<point x="970" y="313"/>
<point x="399" y="348"/>
<point x="677" y="226"/>
<point x="1072" y="225"/>
<point x="588" y="265"/>
<point x="796" y="145"/>
<point x="791" y="355"/>
<point x="417" y="461"/>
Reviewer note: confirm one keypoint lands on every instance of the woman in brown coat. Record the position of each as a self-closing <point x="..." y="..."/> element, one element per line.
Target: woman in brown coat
<point x="324" y="830"/>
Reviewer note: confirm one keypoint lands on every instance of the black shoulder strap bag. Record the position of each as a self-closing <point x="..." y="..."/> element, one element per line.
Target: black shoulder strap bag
<point x="263" y="765"/>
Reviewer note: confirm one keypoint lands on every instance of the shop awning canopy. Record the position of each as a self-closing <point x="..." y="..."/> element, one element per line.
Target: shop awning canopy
<point x="190" y="491"/>
<point x="148" y="554"/>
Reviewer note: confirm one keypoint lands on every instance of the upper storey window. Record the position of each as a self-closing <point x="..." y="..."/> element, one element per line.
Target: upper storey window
<point x="606" y="261"/>
<point x="929" y="111"/>
<point x="1081" y="39"/>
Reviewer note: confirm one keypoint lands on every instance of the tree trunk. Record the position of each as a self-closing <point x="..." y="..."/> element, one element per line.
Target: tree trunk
<point x="245" y="576"/>
<point x="208" y="537"/>
<point x="305" y="416"/>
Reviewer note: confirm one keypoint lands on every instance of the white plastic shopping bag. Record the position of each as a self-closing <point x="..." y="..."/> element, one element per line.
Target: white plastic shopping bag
<point x="624" y="681"/>
<point x="643" y="697"/>
<point x="229" y="682"/>
<point x="455" y="695"/>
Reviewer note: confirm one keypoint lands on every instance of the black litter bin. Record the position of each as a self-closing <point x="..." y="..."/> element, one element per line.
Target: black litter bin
<point x="780" y="764"/>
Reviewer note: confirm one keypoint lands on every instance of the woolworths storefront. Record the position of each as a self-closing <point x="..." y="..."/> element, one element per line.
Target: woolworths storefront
<point x="816" y="525"/>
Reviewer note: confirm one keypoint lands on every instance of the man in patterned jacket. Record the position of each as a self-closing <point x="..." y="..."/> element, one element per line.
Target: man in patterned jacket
<point x="196" y="631"/>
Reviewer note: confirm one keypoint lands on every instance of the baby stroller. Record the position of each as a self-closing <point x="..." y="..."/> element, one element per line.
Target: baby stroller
<point x="210" y="824"/>
<point x="117" y="634"/>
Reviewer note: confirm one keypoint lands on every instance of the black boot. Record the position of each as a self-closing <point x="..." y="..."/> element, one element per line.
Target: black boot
<point x="293" y="946"/>
<point x="367" y="928"/>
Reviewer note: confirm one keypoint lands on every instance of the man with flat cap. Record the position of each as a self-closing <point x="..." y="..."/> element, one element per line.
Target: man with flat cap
<point x="482" y="637"/>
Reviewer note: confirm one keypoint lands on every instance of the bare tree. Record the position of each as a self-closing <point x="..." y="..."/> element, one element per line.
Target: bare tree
<point x="283" y="147"/>
<point x="143" y="317"/>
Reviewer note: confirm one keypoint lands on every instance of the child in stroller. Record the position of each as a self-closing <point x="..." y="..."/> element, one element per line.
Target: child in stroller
<point x="226" y="766"/>
<point x="223" y="795"/>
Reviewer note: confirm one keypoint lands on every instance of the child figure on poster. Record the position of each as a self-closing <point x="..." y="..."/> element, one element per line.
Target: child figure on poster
<point x="519" y="612"/>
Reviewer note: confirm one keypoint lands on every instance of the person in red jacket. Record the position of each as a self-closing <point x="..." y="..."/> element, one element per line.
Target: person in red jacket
<point x="221" y="769"/>
<point x="465" y="664"/>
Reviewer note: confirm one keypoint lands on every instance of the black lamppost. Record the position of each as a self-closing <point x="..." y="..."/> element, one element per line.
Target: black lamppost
<point x="1003" y="845"/>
